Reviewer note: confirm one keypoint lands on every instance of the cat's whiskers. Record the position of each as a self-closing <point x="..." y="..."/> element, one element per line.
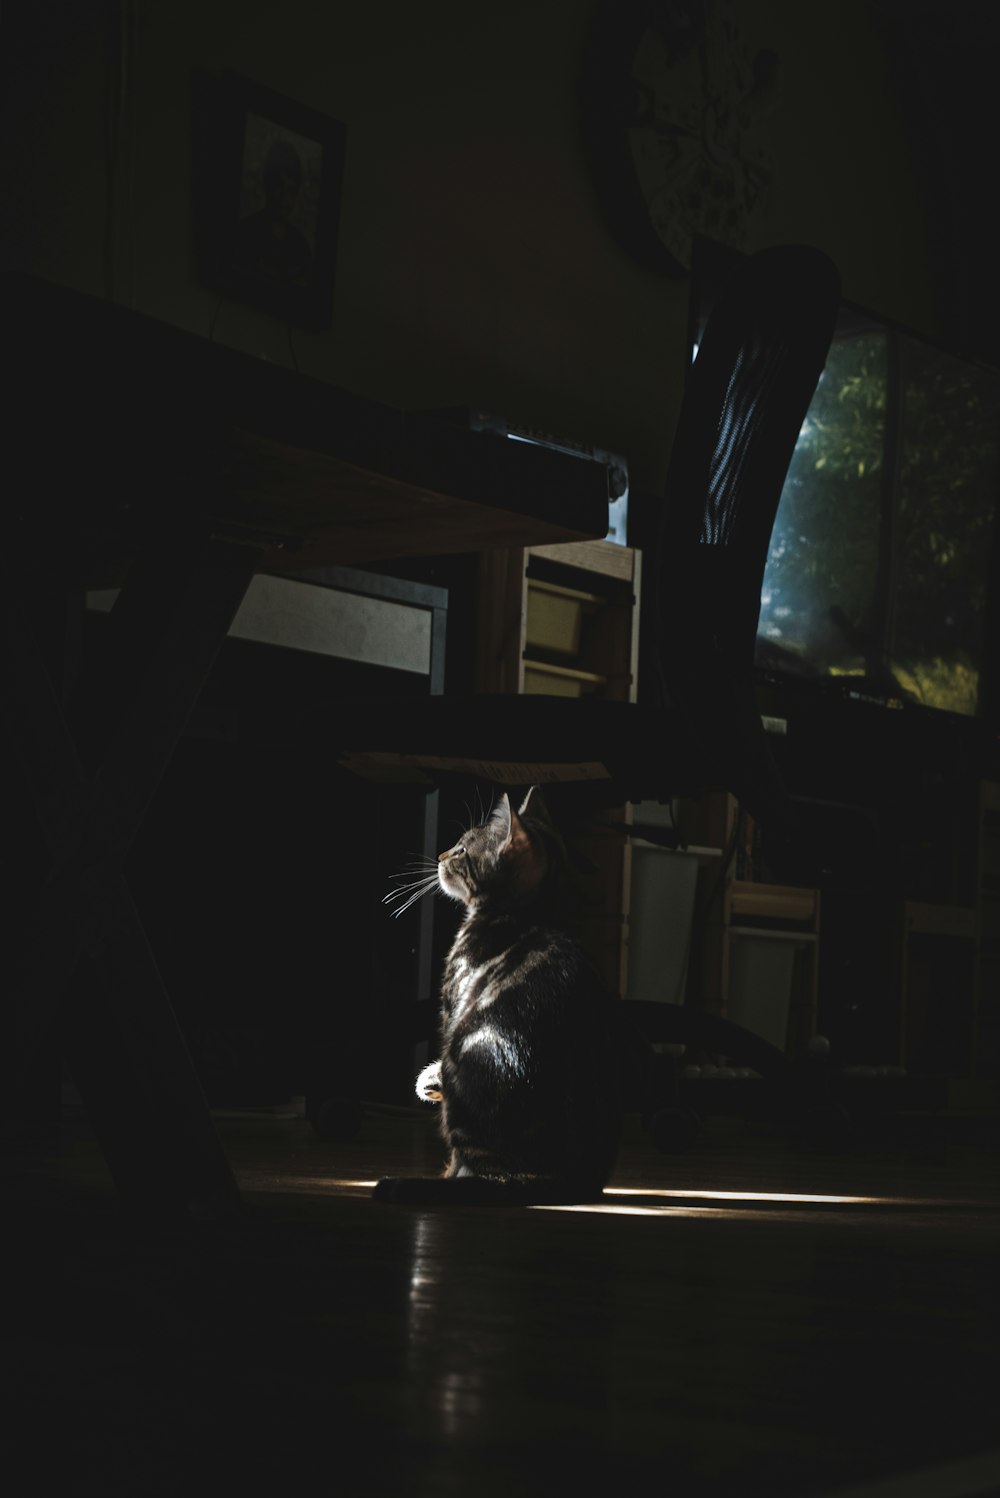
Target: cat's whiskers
<point x="410" y="892"/>
<point x="419" y="864"/>
<point x="424" y="881"/>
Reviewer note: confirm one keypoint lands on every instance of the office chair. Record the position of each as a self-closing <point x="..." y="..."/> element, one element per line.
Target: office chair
<point x="760" y="357"/>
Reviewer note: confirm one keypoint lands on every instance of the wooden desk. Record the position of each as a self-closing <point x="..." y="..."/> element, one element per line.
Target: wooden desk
<point x="128" y="429"/>
<point x="149" y="458"/>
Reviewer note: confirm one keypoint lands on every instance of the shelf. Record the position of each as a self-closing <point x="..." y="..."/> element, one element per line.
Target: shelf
<point x="779" y="902"/>
<point x="768" y="933"/>
<point x="591" y="556"/>
<point x="543" y="679"/>
<point x="940" y="920"/>
<point x="558" y="590"/>
<point x="563" y="621"/>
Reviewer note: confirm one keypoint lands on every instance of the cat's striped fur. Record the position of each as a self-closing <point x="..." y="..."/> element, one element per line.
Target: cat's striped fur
<point x="526" y="1079"/>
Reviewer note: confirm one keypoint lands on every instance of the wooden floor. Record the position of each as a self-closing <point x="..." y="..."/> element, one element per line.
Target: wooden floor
<point x="829" y="1324"/>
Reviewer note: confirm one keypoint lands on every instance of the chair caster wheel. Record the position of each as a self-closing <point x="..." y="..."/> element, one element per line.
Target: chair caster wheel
<point x="672" y="1129"/>
<point x="337" y="1118"/>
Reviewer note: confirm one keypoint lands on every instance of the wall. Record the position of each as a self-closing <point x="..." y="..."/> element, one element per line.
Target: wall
<point x="474" y="266"/>
<point x="474" y="263"/>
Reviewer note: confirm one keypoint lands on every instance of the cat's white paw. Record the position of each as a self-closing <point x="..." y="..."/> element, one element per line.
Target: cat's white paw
<point x="429" y="1083"/>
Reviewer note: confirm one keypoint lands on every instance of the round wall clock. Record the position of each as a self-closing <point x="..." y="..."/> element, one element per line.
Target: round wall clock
<point x="675" y="112"/>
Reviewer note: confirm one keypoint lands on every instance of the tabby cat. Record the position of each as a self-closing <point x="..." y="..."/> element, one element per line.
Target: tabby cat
<point x="526" y="1079"/>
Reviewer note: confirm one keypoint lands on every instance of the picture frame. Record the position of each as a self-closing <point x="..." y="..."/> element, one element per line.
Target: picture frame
<point x="268" y="175"/>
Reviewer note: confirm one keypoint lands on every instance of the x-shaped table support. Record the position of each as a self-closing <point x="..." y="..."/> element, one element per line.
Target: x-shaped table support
<point x="90" y="776"/>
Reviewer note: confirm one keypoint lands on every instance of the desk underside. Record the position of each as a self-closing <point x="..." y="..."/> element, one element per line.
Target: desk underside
<point x="124" y="428"/>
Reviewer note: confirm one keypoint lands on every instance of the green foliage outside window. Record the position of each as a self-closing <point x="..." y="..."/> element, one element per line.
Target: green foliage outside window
<point x="948" y="479"/>
<point x="878" y="569"/>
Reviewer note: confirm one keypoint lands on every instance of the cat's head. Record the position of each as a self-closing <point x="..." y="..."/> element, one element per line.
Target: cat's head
<point x="508" y="858"/>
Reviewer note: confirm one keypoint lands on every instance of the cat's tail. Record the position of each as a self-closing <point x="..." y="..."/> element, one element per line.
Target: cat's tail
<point x="475" y="1191"/>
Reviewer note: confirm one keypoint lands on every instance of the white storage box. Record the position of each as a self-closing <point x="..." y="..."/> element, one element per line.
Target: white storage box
<point x="761" y="971"/>
<point x="663" y="888"/>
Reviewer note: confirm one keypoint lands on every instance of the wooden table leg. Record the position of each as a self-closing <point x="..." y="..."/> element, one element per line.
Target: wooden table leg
<point x="88" y="965"/>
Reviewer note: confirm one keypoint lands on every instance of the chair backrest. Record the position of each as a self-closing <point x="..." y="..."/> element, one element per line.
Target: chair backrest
<point x="759" y="360"/>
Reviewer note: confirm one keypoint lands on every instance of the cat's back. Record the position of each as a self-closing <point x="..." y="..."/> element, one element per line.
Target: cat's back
<point x="520" y="968"/>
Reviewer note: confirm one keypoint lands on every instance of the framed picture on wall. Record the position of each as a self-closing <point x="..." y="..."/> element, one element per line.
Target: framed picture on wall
<point x="268" y="174"/>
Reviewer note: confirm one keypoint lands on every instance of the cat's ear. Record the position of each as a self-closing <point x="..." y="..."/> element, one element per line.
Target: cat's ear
<point x="534" y="805"/>
<point x="501" y="816"/>
<point x="526" y="853"/>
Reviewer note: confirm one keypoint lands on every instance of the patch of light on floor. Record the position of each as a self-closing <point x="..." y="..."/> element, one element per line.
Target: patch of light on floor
<point x="744" y="1196"/>
<point x="693" y="1203"/>
<point x="620" y="1211"/>
<point x="305" y="1184"/>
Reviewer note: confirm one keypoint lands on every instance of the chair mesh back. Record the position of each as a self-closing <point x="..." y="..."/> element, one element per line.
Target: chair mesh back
<point x="761" y="355"/>
<point x="743" y="410"/>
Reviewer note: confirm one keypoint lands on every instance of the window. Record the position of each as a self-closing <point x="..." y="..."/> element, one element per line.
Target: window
<point x="880" y="555"/>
